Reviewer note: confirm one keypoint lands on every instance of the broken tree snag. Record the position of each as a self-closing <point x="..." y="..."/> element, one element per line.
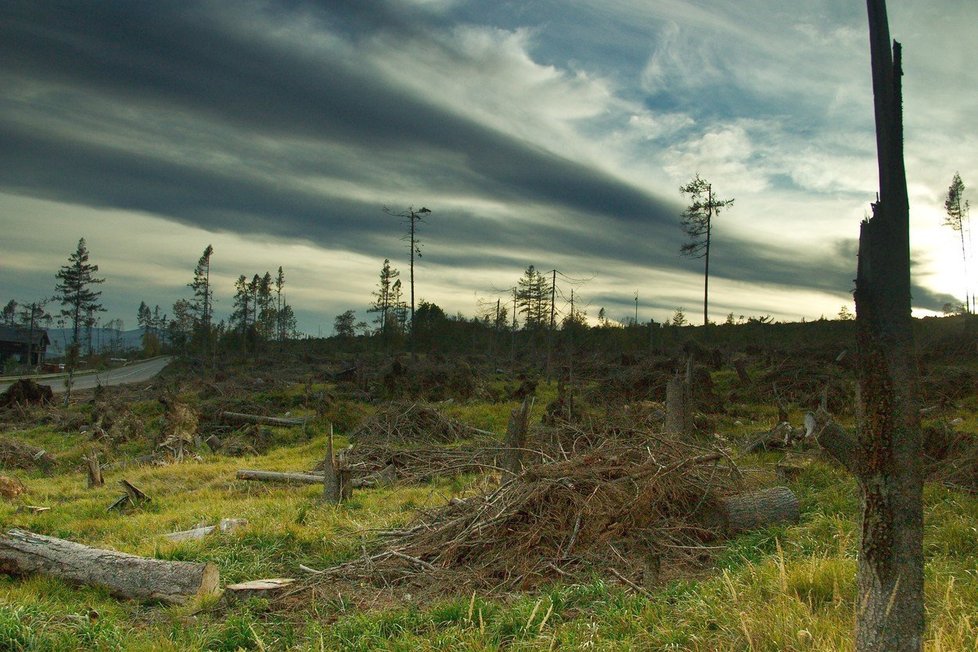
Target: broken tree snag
<point x="754" y="510"/>
<point x="836" y="441"/>
<point x="133" y="496"/>
<point x="336" y="477"/>
<point x="125" y="576"/>
<point x="888" y="461"/>
<point x="238" y="417"/>
<point x="679" y="412"/>
<point x="740" y="366"/>
<point x="516" y="436"/>
<point x="94" y="468"/>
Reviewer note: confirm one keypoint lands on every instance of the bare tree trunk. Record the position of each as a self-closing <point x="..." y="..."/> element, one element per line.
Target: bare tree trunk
<point x="331" y="477"/>
<point x="679" y="402"/>
<point x="94" y="469"/>
<point x="516" y="438"/>
<point x="890" y="614"/>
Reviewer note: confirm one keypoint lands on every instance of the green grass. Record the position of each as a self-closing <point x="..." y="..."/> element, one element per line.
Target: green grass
<point x="783" y="588"/>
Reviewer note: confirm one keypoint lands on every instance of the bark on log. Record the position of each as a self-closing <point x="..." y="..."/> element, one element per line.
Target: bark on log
<point x="755" y="510"/>
<point x="127" y="576"/>
<point x="238" y="417"/>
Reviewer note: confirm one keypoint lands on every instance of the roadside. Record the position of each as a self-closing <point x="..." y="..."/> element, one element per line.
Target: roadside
<point x="132" y="373"/>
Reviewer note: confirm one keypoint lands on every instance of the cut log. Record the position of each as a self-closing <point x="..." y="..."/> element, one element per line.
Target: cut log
<point x="256" y="588"/>
<point x="126" y="576"/>
<point x="238" y="417"/>
<point x="226" y="525"/>
<point x="754" y="510"/>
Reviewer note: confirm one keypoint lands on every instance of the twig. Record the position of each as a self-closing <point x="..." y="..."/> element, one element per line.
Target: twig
<point x="629" y="582"/>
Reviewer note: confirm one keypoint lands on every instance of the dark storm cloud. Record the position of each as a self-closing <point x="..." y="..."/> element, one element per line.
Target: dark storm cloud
<point x="252" y="74"/>
<point x="151" y="54"/>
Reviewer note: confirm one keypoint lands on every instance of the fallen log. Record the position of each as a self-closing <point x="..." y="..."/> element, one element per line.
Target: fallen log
<point x="305" y="478"/>
<point x="275" y="476"/>
<point x="255" y="589"/>
<point x="226" y="525"/>
<point x="127" y="576"/>
<point x="754" y="510"/>
<point x="238" y="417"/>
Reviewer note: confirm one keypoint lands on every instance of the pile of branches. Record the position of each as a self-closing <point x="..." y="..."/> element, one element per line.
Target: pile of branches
<point x="619" y="509"/>
<point x="411" y="422"/>
<point x="15" y="454"/>
<point x="420" y="464"/>
<point x="117" y="422"/>
<point x="178" y="437"/>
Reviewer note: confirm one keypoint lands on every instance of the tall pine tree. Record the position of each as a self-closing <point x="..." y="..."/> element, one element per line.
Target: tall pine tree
<point x="74" y="290"/>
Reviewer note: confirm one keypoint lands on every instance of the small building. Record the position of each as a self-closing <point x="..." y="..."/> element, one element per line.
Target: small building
<point x="16" y="343"/>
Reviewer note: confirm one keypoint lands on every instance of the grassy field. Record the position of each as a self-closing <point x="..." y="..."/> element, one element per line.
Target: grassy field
<point x="782" y="588"/>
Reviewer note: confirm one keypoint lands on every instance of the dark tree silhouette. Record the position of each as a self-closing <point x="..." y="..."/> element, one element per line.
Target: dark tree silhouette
<point x="886" y="456"/>
<point x="74" y="290"/>
<point x="697" y="223"/>
<point x="957" y="209"/>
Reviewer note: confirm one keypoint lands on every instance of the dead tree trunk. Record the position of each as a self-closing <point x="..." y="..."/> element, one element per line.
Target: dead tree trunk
<point x="94" y="469"/>
<point x="679" y="403"/>
<point x="516" y="438"/>
<point x="886" y="457"/>
<point x="332" y="491"/>
<point x="126" y="576"/>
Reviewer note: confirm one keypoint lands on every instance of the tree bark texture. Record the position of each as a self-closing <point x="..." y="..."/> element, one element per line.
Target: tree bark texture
<point x="126" y="576"/>
<point x="888" y="460"/>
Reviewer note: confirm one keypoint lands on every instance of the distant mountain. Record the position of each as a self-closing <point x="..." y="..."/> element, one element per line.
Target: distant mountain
<point x="103" y="340"/>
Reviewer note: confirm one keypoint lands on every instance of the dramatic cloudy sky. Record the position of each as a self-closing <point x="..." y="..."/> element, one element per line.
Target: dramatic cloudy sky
<point x="545" y="132"/>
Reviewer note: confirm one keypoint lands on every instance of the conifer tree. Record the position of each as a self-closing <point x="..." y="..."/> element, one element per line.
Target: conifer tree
<point x="74" y="290"/>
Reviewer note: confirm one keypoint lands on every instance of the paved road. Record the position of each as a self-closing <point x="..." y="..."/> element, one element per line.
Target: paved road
<point x="132" y="373"/>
